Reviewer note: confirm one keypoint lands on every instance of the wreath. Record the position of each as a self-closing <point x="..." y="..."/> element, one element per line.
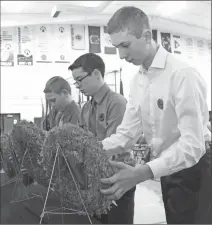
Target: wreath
<point x="8" y="164"/>
<point x="77" y="169"/>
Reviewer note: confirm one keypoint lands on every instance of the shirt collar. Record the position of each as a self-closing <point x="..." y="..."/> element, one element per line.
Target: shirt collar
<point x="159" y="60"/>
<point x="98" y="97"/>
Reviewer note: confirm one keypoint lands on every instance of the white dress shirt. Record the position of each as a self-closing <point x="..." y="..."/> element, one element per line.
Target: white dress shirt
<point x="168" y="104"/>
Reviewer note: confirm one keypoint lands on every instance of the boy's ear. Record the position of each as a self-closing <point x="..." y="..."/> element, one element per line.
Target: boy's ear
<point x="97" y="73"/>
<point x="148" y="35"/>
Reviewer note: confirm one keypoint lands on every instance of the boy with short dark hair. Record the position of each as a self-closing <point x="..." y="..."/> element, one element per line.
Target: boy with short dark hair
<point x="101" y="116"/>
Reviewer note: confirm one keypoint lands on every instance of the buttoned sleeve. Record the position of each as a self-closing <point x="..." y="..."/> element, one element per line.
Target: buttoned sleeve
<point x="189" y="97"/>
<point x="128" y="131"/>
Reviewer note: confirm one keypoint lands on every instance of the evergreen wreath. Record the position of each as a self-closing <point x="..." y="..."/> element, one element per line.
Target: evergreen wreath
<point x="10" y="168"/>
<point x="87" y="162"/>
<point x="79" y="165"/>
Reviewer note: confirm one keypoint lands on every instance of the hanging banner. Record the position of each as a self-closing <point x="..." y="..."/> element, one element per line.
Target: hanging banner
<point x="200" y="47"/>
<point x="166" y="41"/>
<point x="7" y="46"/>
<point x="189" y="48"/>
<point x="208" y="51"/>
<point x="155" y="35"/>
<point x="44" y="45"/>
<point x="94" y="39"/>
<point x="176" y="44"/>
<point x="109" y="48"/>
<point x="24" y="56"/>
<point x="78" y="37"/>
<point x="62" y="43"/>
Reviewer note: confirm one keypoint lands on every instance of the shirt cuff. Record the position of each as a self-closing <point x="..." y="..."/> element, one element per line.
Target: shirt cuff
<point x="105" y="144"/>
<point x="113" y="143"/>
<point x="113" y="150"/>
<point x="158" y="167"/>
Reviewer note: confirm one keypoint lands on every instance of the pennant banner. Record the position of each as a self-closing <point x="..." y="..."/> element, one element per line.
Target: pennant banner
<point x="44" y="45"/>
<point x="189" y="48"/>
<point x="24" y="56"/>
<point x="7" y="46"/>
<point x="200" y="48"/>
<point x="94" y="39"/>
<point x="208" y="51"/>
<point x="78" y="37"/>
<point x="109" y="48"/>
<point x="166" y="41"/>
<point x="176" y="44"/>
<point x="62" y="43"/>
<point x="155" y="35"/>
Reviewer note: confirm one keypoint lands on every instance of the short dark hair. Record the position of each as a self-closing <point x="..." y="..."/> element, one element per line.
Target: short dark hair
<point x="128" y="18"/>
<point x="89" y="62"/>
<point x="57" y="84"/>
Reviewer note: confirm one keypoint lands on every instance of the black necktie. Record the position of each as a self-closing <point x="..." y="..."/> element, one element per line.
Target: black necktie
<point x="92" y="117"/>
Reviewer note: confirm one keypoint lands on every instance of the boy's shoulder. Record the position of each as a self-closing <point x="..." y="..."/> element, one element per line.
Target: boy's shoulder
<point x="116" y="97"/>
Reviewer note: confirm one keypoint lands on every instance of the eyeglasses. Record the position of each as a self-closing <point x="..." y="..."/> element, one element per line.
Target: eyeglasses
<point x="79" y="81"/>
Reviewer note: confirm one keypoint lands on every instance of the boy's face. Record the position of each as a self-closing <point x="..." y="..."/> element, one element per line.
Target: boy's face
<point x="133" y="50"/>
<point x="87" y="83"/>
<point x="57" y="101"/>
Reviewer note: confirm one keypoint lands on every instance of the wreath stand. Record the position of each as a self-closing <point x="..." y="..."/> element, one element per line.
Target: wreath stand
<point x="4" y="178"/>
<point x="60" y="211"/>
<point x="23" y="193"/>
<point x="24" y="196"/>
<point x="10" y="159"/>
<point x="19" y="187"/>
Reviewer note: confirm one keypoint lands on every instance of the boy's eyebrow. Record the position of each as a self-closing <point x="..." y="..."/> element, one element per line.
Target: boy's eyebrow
<point x="53" y="98"/>
<point x="124" y="42"/>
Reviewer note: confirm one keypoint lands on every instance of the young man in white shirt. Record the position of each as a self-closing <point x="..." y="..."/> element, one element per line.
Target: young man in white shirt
<point x="168" y="103"/>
